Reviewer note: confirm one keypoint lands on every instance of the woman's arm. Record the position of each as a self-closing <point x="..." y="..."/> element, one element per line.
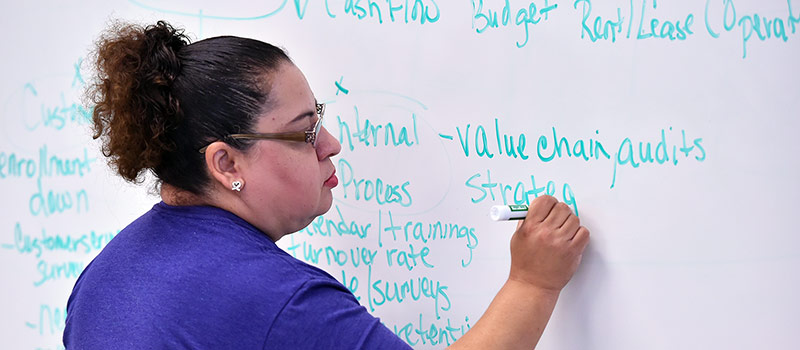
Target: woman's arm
<point x="545" y="252"/>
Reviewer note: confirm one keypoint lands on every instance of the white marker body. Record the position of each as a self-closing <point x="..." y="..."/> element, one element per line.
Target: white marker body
<point x="508" y="212"/>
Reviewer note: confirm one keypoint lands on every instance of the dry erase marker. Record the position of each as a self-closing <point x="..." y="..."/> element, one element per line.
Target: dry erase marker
<point x="508" y="212"/>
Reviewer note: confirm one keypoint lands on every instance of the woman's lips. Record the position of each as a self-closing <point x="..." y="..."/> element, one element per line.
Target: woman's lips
<point x="331" y="181"/>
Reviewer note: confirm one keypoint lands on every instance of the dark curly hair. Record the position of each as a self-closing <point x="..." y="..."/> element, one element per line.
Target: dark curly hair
<point x="158" y="99"/>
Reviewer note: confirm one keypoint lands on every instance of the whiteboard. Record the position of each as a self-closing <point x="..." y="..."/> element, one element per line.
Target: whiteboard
<point x="668" y="126"/>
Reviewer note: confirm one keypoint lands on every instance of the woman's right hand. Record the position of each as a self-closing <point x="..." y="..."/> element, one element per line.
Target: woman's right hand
<point x="548" y="245"/>
<point x="545" y="252"/>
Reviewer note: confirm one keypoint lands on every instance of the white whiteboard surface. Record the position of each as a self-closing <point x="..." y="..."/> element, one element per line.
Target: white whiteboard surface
<point x="693" y="248"/>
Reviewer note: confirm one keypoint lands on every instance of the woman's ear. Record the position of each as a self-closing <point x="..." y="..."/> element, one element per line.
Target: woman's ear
<point x="224" y="165"/>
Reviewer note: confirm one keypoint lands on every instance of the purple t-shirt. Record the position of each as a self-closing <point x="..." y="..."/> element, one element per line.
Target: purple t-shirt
<point x="202" y="278"/>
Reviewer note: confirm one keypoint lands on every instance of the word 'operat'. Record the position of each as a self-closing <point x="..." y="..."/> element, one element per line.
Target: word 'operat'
<point x="484" y="19"/>
<point x="404" y="11"/>
<point x="660" y="152"/>
<point x="370" y="134"/>
<point x="765" y="27"/>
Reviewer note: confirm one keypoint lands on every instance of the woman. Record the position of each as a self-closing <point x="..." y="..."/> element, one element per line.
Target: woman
<point x="232" y="131"/>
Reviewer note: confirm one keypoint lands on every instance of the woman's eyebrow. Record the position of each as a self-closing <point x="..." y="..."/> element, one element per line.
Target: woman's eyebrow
<point x="302" y="116"/>
<point x="307" y="114"/>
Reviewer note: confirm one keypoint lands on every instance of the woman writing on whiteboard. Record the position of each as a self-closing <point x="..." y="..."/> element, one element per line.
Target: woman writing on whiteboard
<point x="233" y="133"/>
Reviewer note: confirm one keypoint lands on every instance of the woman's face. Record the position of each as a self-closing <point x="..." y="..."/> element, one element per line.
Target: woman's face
<point x="288" y="183"/>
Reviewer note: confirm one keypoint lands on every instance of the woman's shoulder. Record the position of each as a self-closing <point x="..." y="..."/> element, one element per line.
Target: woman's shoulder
<point x="199" y="243"/>
<point x="199" y="264"/>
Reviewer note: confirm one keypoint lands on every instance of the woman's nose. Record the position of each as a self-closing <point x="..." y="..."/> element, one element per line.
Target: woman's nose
<point x="327" y="145"/>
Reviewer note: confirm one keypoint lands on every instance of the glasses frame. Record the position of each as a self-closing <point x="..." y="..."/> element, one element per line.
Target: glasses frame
<point x="308" y="136"/>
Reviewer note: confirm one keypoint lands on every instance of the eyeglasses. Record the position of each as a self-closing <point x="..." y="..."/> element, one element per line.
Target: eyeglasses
<point x="308" y="136"/>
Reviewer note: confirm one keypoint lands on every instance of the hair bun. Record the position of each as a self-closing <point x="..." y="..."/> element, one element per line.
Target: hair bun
<point x="161" y="44"/>
<point x="134" y="108"/>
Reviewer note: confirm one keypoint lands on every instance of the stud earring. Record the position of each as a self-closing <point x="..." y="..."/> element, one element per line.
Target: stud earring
<point x="237" y="185"/>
